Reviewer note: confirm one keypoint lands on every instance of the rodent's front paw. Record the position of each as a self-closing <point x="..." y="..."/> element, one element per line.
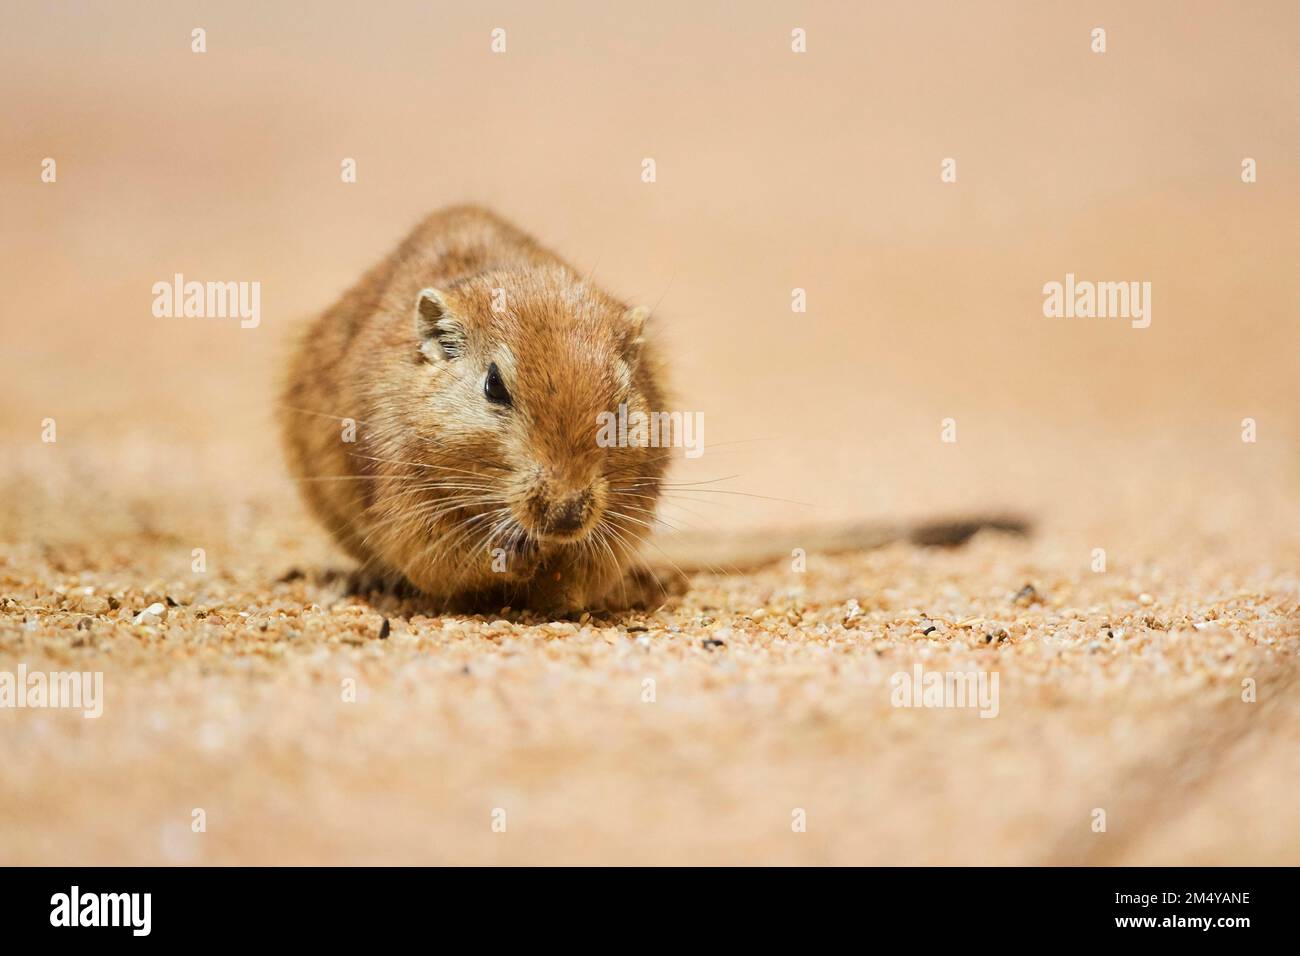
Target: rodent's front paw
<point x="558" y="591"/>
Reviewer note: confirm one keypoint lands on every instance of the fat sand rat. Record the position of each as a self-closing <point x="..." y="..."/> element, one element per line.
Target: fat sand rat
<point x="441" y="420"/>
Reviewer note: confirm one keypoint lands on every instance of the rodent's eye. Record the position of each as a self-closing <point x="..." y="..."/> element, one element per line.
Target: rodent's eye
<point x="494" y="388"/>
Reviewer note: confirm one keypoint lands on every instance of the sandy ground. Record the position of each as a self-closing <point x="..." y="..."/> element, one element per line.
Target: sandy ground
<point x="307" y="732"/>
<point x="771" y="693"/>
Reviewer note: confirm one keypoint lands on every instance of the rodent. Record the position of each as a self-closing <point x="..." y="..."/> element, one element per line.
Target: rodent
<point x="441" y="420"/>
<point x="474" y="363"/>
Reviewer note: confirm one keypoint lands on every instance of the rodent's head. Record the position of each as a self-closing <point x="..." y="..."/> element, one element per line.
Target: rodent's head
<point x="513" y="372"/>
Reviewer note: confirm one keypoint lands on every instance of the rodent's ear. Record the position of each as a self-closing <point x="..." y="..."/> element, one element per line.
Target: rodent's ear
<point x="436" y="328"/>
<point x="634" y="328"/>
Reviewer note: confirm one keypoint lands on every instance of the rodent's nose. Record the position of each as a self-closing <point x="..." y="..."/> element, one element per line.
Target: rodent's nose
<point x="568" y="515"/>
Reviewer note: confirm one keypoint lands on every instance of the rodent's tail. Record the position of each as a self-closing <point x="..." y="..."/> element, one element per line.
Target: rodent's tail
<point x="739" y="552"/>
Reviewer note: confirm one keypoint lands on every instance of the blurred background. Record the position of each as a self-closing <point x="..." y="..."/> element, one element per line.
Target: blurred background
<point x="775" y="170"/>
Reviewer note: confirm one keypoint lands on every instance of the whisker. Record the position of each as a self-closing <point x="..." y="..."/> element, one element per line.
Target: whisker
<point x="337" y="418"/>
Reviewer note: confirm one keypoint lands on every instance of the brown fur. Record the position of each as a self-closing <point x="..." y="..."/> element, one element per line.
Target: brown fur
<point x="440" y="483"/>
